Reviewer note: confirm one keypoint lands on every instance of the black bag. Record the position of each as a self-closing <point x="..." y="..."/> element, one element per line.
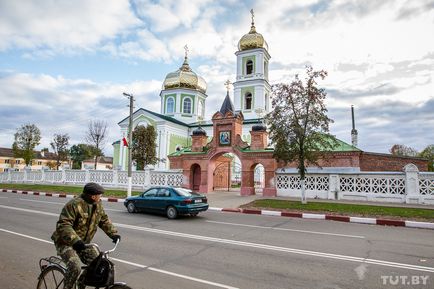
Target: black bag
<point x="100" y="272"/>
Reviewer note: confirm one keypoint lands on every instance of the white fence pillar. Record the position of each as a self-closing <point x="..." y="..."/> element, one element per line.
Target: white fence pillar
<point x="147" y="181"/>
<point x="63" y="176"/>
<point x="334" y="188"/>
<point x="115" y="178"/>
<point x="87" y="177"/>
<point x="412" y="192"/>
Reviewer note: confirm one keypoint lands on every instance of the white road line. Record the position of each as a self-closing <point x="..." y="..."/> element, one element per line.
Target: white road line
<point x="3" y="197"/>
<point x="114" y="210"/>
<point x="26" y="236"/>
<point x="45" y="202"/>
<point x="284" y="229"/>
<point x="136" y="264"/>
<point x="261" y="246"/>
<point x="29" y="211"/>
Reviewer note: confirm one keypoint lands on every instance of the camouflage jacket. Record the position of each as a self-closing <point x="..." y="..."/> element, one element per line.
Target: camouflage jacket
<point x="79" y="221"/>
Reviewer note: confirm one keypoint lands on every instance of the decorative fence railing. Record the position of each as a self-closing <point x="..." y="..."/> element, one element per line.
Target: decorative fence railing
<point x="410" y="186"/>
<point x="116" y="179"/>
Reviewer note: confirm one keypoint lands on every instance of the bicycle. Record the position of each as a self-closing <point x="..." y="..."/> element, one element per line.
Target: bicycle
<point x="53" y="272"/>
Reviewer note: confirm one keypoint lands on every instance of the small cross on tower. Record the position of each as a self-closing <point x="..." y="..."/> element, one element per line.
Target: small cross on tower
<point x="227" y="84"/>
<point x="253" y="17"/>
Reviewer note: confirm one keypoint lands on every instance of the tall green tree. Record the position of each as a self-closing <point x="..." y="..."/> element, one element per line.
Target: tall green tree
<point x="144" y="146"/>
<point x="403" y="150"/>
<point x="299" y="125"/>
<point x="27" y="138"/>
<point x="79" y="153"/>
<point x="60" y="144"/>
<point x="428" y="153"/>
<point x="96" y="136"/>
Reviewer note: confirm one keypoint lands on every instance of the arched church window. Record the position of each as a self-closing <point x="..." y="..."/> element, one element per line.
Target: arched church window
<point x="186" y="106"/>
<point x="249" y="67"/>
<point x="170" y="105"/>
<point x="248" y="101"/>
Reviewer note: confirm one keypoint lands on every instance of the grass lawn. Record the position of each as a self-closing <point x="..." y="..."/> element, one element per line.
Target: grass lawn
<point x="345" y="209"/>
<point x="72" y="190"/>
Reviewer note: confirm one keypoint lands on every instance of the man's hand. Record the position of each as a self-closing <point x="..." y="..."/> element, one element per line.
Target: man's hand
<point x="79" y="246"/>
<point x="116" y="238"/>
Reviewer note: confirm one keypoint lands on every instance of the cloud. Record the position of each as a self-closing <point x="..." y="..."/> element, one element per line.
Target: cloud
<point x="60" y="105"/>
<point x="63" y="26"/>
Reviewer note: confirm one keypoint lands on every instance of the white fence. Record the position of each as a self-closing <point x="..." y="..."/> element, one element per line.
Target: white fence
<point x="116" y="179"/>
<point x="410" y="186"/>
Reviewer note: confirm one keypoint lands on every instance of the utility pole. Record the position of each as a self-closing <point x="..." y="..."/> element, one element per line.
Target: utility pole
<point x="130" y="142"/>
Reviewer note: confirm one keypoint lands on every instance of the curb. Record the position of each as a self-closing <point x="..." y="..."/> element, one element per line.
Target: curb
<point x="59" y="195"/>
<point x="338" y="218"/>
<point x="348" y="219"/>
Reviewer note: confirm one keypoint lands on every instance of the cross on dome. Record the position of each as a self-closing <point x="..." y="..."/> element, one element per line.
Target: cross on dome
<point x="227" y="84"/>
<point x="186" y="51"/>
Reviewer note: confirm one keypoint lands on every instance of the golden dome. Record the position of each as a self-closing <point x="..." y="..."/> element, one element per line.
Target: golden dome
<point x="184" y="77"/>
<point x="252" y="39"/>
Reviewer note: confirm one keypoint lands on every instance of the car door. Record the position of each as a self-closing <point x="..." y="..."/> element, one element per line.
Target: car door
<point x="161" y="200"/>
<point x="145" y="202"/>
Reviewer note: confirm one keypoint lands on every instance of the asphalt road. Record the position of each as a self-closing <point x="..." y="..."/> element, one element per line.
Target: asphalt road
<point x="224" y="250"/>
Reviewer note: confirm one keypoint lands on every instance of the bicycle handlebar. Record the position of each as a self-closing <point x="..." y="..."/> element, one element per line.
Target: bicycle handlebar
<point x="99" y="250"/>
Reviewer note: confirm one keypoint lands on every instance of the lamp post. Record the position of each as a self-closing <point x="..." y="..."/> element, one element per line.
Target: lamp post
<point x="130" y="141"/>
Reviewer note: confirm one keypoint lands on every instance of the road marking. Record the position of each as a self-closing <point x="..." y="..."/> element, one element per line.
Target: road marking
<point x="259" y="246"/>
<point x="3" y="197"/>
<point x="282" y="249"/>
<point x="29" y="211"/>
<point x="45" y="202"/>
<point x="174" y="274"/>
<point x="136" y="264"/>
<point x="283" y="229"/>
<point x="26" y="236"/>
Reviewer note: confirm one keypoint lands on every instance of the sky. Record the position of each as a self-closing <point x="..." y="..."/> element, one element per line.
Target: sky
<point x="65" y="63"/>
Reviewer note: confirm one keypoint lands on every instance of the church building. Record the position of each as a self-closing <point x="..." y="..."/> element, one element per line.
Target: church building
<point x="183" y="101"/>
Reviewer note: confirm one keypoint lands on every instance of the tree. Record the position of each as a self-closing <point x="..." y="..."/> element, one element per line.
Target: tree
<point x="428" y="153"/>
<point x="79" y="153"/>
<point x="27" y="138"/>
<point x="51" y="165"/>
<point x="144" y="146"/>
<point x="96" y="137"/>
<point x="298" y="124"/>
<point x="60" y="146"/>
<point x="403" y="150"/>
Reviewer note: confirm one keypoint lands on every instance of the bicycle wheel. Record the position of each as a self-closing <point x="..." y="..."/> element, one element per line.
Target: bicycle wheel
<point x="117" y="286"/>
<point x="51" y="278"/>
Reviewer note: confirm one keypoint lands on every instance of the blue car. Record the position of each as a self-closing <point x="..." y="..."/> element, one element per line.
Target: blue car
<point x="169" y="201"/>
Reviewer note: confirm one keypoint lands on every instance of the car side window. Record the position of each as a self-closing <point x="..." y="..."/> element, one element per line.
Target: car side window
<point x="150" y="193"/>
<point x="163" y="193"/>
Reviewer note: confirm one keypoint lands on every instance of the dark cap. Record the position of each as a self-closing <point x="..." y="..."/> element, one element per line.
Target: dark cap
<point x="93" y="189"/>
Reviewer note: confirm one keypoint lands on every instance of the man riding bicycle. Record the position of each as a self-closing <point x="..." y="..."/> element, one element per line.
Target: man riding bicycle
<point x="76" y="227"/>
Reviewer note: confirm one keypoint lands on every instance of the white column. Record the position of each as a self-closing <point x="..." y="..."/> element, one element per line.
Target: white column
<point x="412" y="193"/>
<point x="334" y="187"/>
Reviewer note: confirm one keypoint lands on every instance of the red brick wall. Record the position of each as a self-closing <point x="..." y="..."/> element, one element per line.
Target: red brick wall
<point x="385" y="162"/>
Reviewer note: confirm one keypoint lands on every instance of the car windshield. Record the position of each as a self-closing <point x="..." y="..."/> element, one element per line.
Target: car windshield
<point x="184" y="192"/>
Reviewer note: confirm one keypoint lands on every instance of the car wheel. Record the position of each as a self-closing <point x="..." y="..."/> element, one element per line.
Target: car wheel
<point x="194" y="214"/>
<point x="131" y="207"/>
<point x="171" y="212"/>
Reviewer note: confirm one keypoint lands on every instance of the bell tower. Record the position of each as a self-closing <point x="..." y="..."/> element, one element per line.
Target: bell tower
<point x="252" y="89"/>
